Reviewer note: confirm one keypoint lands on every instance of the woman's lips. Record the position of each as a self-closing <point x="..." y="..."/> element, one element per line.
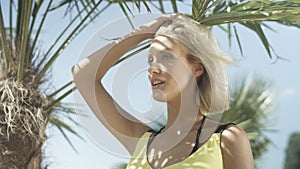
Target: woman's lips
<point x="157" y="83"/>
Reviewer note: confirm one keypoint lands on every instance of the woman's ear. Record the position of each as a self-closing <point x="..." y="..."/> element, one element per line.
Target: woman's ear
<point x="198" y="70"/>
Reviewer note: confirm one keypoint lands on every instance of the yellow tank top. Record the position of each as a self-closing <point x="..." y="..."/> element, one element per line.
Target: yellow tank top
<point x="208" y="156"/>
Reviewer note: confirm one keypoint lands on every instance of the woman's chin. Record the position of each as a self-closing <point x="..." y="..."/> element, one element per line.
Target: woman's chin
<point x="159" y="95"/>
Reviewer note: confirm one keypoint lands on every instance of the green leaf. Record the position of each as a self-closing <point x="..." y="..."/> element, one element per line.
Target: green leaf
<point x="142" y="46"/>
<point x="174" y="5"/>
<point x="41" y="24"/>
<point x="249" y="108"/>
<point x="36" y="7"/>
<point x="65" y="30"/>
<point x="66" y="42"/>
<point x="256" y="27"/>
<point x="3" y="39"/>
<point x="161" y="6"/>
<point x="238" y="40"/>
<point x="53" y="103"/>
<point x="59" y="5"/>
<point x="229" y="33"/>
<point x="60" y="89"/>
<point x="26" y="13"/>
<point x="147" y="6"/>
<point x="63" y="126"/>
<point x="125" y="12"/>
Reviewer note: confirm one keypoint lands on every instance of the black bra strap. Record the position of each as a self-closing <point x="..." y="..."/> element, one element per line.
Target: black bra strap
<point x="198" y="136"/>
<point x="221" y="128"/>
<point x="153" y="135"/>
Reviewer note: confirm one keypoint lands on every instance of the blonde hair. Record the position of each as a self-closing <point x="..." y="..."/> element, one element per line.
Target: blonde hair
<point x="204" y="49"/>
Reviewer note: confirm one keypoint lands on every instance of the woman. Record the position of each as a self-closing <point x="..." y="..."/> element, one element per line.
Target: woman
<point x="185" y="71"/>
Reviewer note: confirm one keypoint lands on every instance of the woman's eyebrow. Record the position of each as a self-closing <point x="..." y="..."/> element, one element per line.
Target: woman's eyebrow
<point x="157" y="41"/>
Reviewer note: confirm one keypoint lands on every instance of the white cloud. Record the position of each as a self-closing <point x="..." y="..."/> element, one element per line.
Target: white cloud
<point x="288" y="92"/>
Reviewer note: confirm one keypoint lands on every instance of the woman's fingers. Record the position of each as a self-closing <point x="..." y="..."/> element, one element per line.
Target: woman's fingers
<point x="154" y="25"/>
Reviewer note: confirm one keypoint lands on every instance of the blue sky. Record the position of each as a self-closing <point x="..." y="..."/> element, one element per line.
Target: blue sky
<point x="283" y="74"/>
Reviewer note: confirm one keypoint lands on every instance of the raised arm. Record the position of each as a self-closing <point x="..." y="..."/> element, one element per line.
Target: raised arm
<point x="88" y="73"/>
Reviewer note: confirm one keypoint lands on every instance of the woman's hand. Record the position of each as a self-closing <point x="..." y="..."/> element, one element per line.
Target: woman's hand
<point x="154" y="25"/>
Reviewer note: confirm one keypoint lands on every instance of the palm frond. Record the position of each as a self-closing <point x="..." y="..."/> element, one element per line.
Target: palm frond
<point x="41" y="24"/>
<point x="139" y="48"/>
<point x="3" y="40"/>
<point x="63" y="32"/>
<point x="67" y="41"/>
<point x="174" y="5"/>
<point x="59" y="99"/>
<point x="122" y="5"/>
<point x="61" y="89"/>
<point x="237" y="39"/>
<point x="26" y="10"/>
<point x="63" y="126"/>
<point x="251" y="14"/>
<point x="36" y="8"/>
<point x="251" y="104"/>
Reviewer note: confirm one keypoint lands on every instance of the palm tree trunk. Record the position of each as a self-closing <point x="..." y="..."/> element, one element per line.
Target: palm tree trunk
<point x="20" y="153"/>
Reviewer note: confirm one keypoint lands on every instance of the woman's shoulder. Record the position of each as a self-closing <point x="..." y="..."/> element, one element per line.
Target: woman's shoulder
<point x="233" y="136"/>
<point x="236" y="148"/>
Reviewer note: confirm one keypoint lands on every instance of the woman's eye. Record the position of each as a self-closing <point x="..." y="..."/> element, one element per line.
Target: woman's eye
<point x="150" y="60"/>
<point x="167" y="56"/>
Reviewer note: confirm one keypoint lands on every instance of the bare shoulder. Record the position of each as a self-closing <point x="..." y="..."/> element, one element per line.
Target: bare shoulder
<point x="234" y="136"/>
<point x="236" y="149"/>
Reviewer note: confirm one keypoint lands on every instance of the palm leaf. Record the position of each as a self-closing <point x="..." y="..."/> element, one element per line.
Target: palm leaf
<point x="24" y="26"/>
<point x="67" y="41"/>
<point x="174" y="5"/>
<point x="251" y="14"/>
<point x="237" y="39"/>
<point x="41" y="23"/>
<point x="139" y="48"/>
<point x="3" y="39"/>
<point x="249" y="108"/>
<point x="122" y="4"/>
<point x="59" y="99"/>
<point x="61" y="89"/>
<point x="63" y="126"/>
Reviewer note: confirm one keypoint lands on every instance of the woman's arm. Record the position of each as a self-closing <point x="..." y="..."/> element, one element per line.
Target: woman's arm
<point x="88" y="73"/>
<point x="236" y="149"/>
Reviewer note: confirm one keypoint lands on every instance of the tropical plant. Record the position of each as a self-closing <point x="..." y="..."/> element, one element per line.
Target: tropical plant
<point x="250" y="107"/>
<point x="292" y="158"/>
<point x="27" y="106"/>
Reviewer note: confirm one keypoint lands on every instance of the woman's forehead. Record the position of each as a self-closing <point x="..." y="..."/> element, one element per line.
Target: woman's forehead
<point x="162" y="43"/>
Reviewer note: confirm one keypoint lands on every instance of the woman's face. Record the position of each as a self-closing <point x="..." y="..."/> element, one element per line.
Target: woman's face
<point x="169" y="70"/>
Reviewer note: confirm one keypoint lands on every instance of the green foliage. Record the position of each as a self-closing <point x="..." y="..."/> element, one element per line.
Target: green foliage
<point x="252" y="14"/>
<point x="22" y="62"/>
<point x="292" y="159"/>
<point x="120" y="166"/>
<point x="250" y="107"/>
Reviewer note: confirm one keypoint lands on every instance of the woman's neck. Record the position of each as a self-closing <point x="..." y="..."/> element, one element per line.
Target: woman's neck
<point x="182" y="114"/>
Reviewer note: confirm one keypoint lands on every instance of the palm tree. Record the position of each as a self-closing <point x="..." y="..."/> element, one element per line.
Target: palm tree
<point x="250" y="107"/>
<point x="292" y="158"/>
<point x="27" y="107"/>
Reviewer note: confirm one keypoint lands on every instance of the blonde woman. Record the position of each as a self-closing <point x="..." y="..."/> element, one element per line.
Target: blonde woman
<point x="186" y="70"/>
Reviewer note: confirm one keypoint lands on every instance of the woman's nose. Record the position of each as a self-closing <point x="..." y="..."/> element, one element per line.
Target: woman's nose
<point x="154" y="69"/>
